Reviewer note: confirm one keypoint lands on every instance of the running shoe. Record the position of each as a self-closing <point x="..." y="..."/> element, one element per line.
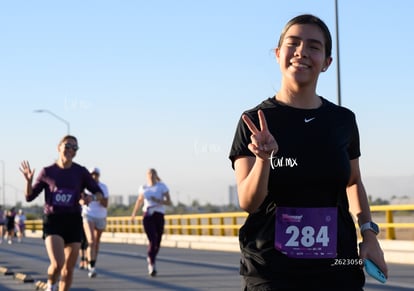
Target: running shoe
<point x="92" y="273"/>
<point x="52" y="288"/>
<point x="151" y="270"/>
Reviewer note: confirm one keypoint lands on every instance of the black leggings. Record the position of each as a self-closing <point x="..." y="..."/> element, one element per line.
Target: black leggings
<point x="154" y="228"/>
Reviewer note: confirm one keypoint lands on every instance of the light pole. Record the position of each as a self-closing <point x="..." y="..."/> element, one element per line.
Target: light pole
<point x="54" y="115"/>
<point x="3" y="187"/>
<point x="338" y="70"/>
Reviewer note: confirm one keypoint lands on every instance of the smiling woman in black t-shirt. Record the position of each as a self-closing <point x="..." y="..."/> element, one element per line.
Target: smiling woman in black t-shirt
<point x="296" y="160"/>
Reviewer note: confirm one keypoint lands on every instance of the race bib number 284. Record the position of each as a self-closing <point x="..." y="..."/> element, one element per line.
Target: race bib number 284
<point x="306" y="232"/>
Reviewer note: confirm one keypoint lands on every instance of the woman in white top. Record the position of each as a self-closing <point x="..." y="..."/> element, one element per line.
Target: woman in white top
<point x="153" y="196"/>
<point x="94" y="222"/>
<point x="20" y="222"/>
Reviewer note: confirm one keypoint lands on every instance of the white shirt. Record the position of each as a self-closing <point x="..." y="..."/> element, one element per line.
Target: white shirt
<point x="20" y="219"/>
<point x="156" y="191"/>
<point x="95" y="208"/>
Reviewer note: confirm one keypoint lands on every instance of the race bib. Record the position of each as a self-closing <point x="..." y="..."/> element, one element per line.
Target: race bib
<point x="63" y="198"/>
<point x="307" y="233"/>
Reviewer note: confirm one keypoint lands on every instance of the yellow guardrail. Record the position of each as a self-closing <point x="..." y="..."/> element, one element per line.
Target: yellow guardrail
<point x="218" y="224"/>
<point x="229" y="223"/>
<point x="391" y="212"/>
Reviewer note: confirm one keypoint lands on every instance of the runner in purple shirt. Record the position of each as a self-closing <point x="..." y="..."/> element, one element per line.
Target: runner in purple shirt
<point x="62" y="183"/>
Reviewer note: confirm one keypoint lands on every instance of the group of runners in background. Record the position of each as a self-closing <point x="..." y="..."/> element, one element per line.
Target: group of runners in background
<point x="12" y="225"/>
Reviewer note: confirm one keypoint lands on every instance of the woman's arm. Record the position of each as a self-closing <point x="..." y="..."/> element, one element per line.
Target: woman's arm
<point x="252" y="176"/>
<point x="28" y="174"/>
<point x="165" y="200"/>
<point x="359" y="207"/>
<point x="252" y="173"/>
<point x="138" y="204"/>
<point x="104" y="201"/>
<point x="105" y="194"/>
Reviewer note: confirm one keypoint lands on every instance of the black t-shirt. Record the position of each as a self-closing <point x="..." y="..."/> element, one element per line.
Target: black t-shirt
<point x="310" y="169"/>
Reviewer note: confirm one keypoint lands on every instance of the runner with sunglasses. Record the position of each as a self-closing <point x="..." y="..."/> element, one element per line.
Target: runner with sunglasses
<point x="62" y="183"/>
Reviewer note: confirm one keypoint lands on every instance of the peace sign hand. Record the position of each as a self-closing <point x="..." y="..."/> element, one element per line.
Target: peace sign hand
<point x="262" y="141"/>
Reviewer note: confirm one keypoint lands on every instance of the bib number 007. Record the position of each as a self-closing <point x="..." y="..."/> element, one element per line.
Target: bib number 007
<point x="307" y="236"/>
<point x="63" y="198"/>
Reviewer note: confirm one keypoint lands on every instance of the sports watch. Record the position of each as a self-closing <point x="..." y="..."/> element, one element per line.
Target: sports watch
<point x="372" y="226"/>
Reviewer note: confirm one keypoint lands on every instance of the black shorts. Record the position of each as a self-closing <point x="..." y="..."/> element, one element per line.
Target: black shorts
<point x="10" y="226"/>
<point x="68" y="226"/>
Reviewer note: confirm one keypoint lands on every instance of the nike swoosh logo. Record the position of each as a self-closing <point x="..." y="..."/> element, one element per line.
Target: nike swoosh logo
<point x="309" y="119"/>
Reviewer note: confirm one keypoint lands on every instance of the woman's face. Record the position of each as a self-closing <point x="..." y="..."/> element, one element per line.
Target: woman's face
<point x="67" y="149"/>
<point x="301" y="55"/>
<point x="151" y="175"/>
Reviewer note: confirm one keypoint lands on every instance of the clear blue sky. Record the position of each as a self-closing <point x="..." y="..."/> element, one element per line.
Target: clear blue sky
<point x="162" y="84"/>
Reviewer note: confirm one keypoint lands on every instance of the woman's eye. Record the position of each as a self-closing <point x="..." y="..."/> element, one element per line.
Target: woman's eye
<point x="292" y="44"/>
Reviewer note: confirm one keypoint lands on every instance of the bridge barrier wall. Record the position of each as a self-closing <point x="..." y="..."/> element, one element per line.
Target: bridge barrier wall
<point x="395" y="251"/>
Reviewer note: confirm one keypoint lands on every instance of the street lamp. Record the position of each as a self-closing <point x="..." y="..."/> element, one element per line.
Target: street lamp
<point x="338" y="70"/>
<point x="3" y="187"/>
<point x="54" y="115"/>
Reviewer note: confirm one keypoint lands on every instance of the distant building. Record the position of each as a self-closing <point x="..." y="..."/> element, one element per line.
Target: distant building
<point x="115" y="200"/>
<point x="132" y="199"/>
<point x="233" y="197"/>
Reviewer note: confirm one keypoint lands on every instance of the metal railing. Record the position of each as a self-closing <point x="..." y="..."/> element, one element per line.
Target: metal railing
<point x="215" y="224"/>
<point x="229" y="223"/>
<point x="392" y="213"/>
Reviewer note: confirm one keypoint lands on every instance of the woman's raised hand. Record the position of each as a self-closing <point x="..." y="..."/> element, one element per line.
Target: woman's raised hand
<point x="27" y="172"/>
<point x="262" y="141"/>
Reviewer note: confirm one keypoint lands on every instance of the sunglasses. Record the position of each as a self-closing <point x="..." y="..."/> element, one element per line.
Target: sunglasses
<point x="71" y="146"/>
